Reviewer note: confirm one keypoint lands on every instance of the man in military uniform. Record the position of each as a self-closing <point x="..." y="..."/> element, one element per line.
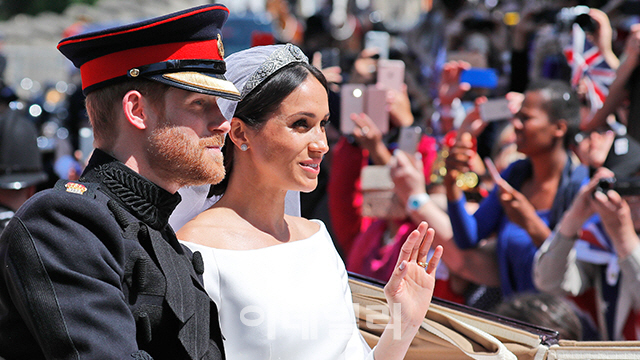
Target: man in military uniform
<point x="20" y="159"/>
<point x="91" y="269"/>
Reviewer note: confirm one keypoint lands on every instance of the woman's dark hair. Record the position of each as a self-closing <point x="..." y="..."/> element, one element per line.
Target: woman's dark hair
<point x="561" y="103"/>
<point x="257" y="106"/>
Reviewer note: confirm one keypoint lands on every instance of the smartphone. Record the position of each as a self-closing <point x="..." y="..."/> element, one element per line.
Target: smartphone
<point x="409" y="138"/>
<point x="376" y="177"/>
<point x="493" y="171"/>
<point x="360" y="98"/>
<point x="476" y="59"/>
<point x="352" y="100"/>
<point x="480" y="77"/>
<point x="378" y="197"/>
<point x="380" y="40"/>
<point x="390" y="74"/>
<point x="376" y="107"/>
<point x="330" y="57"/>
<point x="495" y="109"/>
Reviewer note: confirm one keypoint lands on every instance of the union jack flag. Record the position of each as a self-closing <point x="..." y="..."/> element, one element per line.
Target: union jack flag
<point x="593" y="233"/>
<point x="588" y="65"/>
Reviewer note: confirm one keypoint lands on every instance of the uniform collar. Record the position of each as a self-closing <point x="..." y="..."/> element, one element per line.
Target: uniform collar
<point x="144" y="199"/>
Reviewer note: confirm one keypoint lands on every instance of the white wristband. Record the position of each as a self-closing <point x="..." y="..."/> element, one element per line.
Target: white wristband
<point x="416" y="201"/>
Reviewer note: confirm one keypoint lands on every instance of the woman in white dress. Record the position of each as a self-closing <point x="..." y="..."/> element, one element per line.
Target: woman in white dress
<point x="279" y="283"/>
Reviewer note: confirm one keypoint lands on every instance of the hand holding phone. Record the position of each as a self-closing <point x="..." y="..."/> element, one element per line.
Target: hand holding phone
<point x="495" y="175"/>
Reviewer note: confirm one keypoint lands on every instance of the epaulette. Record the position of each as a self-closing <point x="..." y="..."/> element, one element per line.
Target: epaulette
<point x="74" y="187"/>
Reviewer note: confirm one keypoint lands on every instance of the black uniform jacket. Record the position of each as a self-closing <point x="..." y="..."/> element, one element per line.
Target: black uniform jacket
<point x="92" y="270"/>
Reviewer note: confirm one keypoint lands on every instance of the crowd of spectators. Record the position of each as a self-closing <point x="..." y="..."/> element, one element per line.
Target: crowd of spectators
<point x="555" y="225"/>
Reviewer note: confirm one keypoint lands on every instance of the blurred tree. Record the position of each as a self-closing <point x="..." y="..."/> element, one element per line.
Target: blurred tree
<point x="9" y="8"/>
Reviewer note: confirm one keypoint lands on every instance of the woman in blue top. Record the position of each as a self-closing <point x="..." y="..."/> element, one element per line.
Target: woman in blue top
<point x="526" y="205"/>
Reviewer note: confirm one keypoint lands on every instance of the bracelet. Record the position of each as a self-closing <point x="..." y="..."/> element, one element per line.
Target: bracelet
<point x="416" y="201"/>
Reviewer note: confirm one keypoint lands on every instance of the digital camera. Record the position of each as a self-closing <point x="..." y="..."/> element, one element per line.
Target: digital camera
<point x="624" y="187"/>
<point x="566" y="17"/>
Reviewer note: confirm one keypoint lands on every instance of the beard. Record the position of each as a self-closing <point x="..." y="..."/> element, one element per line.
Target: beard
<point x="187" y="162"/>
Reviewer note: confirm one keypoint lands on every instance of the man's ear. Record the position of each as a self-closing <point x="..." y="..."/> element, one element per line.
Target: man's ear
<point x="238" y="132"/>
<point x="134" y="109"/>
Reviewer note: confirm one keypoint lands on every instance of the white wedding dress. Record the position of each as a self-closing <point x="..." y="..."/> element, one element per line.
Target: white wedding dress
<point x="288" y="301"/>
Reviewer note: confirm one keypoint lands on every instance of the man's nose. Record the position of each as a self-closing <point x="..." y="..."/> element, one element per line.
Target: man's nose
<point x="219" y="126"/>
<point x="217" y="123"/>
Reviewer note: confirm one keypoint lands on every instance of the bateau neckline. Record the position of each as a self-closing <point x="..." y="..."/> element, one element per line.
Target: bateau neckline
<point x="305" y="240"/>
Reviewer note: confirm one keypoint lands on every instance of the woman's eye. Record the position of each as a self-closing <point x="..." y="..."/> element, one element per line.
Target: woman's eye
<point x="300" y="123"/>
<point x="324" y="123"/>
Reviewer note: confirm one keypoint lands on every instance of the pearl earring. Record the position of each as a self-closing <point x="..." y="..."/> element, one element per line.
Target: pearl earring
<point x="244" y="147"/>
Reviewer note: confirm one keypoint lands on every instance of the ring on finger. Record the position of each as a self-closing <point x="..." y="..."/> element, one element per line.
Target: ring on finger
<point x="365" y="130"/>
<point x="423" y="264"/>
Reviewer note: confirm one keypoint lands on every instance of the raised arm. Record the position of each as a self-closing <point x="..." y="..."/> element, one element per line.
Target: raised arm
<point x="409" y="293"/>
<point x="618" y="89"/>
<point x="555" y="268"/>
<point x="408" y="178"/>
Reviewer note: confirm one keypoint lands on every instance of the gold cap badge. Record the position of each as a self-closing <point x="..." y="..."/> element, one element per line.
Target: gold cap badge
<point x="220" y="47"/>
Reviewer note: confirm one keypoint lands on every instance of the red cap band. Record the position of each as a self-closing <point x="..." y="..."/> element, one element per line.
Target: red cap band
<point x="119" y="63"/>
